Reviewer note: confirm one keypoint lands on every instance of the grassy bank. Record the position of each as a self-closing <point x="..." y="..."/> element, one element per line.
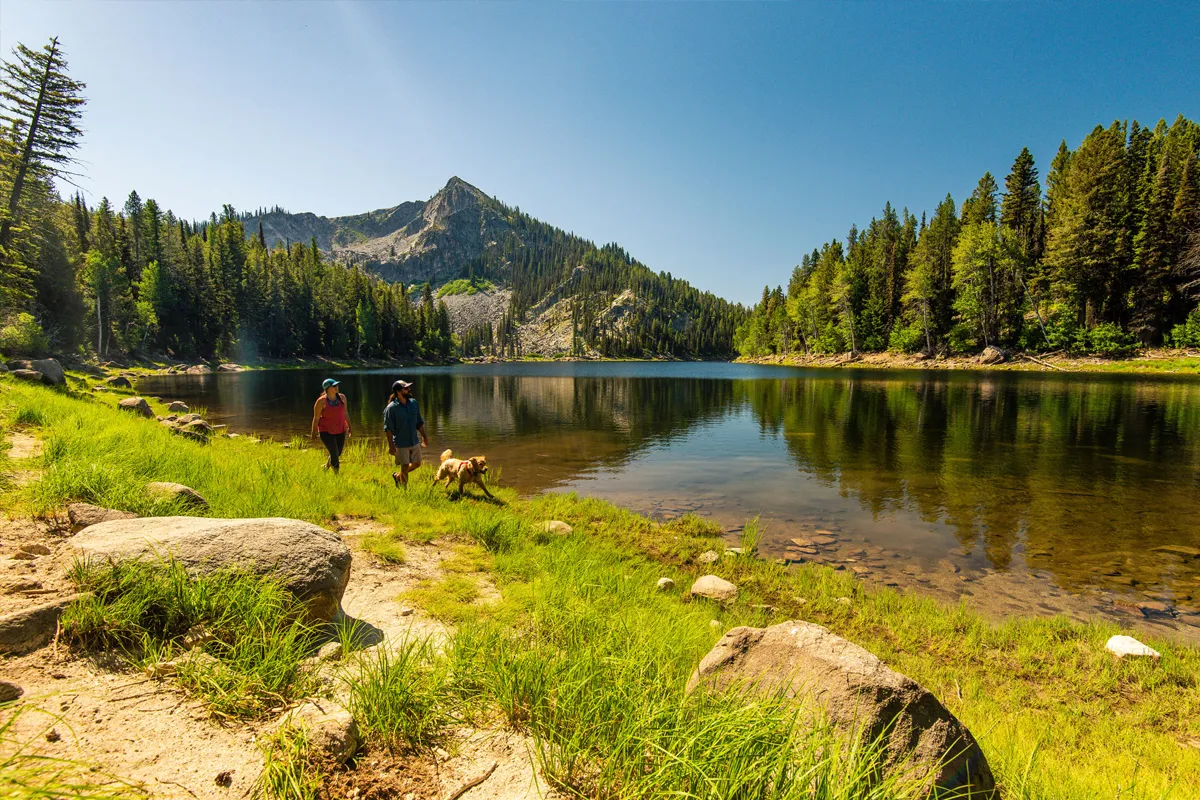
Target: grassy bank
<point x="1147" y="362"/>
<point x="583" y="653"/>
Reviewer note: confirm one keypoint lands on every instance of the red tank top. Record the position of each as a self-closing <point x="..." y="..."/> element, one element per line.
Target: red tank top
<point x="333" y="417"/>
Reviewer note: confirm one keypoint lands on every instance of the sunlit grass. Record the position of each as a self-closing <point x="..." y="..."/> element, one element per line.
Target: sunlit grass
<point x="578" y="629"/>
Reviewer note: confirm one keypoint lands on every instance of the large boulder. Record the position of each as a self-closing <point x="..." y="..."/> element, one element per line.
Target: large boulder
<point x="52" y="371"/>
<point x="177" y="491"/>
<point x="199" y="369"/>
<point x="137" y="405"/>
<point x="858" y="693"/>
<point x="229" y="368"/>
<point x="310" y="561"/>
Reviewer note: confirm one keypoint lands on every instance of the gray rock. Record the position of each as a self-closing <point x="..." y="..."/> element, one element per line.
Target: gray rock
<point x="199" y="369"/>
<point x="310" y="561"/>
<point x="9" y="691"/>
<point x="118" y="382"/>
<point x="332" y="729"/>
<point x="229" y="368"/>
<point x="51" y="371"/>
<point x="31" y="375"/>
<point x="31" y="627"/>
<point x="992" y="355"/>
<point x="708" y="557"/>
<point x="137" y="405"/>
<point x="3" y="368"/>
<point x="556" y="526"/>
<point x="178" y="406"/>
<point x="858" y="693"/>
<point x="84" y="514"/>
<point x="714" y="588"/>
<point x="666" y="585"/>
<point x="177" y="491"/>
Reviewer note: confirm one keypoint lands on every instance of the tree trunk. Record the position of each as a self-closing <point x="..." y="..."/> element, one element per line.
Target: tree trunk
<point x="14" y="200"/>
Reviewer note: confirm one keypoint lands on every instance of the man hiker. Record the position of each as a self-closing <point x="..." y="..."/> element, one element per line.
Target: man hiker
<point x="403" y="424"/>
<point x="331" y="421"/>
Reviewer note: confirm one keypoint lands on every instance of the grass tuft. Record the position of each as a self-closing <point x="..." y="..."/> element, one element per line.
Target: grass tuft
<point x="399" y="694"/>
<point x="250" y="626"/>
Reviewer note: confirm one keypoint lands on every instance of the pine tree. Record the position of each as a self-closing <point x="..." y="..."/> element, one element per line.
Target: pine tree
<point x="42" y="105"/>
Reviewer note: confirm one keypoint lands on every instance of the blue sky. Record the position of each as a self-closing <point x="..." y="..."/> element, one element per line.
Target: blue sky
<point x="716" y="141"/>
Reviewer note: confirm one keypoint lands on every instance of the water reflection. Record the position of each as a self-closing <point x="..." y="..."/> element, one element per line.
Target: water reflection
<point x="1078" y="477"/>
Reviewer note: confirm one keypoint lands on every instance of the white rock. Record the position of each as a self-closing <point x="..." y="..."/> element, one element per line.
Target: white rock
<point x="1122" y="646"/>
<point x="556" y="526"/>
<point x="665" y="584"/>
<point x="708" y="557"/>
<point x="714" y="588"/>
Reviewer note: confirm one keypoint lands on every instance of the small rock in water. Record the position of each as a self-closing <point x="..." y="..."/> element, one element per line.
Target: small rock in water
<point x="666" y="585"/>
<point x="708" y="557"/>
<point x="1127" y="646"/>
<point x="822" y="539"/>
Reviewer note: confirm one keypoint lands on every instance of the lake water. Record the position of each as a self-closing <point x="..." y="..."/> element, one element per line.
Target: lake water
<point x="1024" y="492"/>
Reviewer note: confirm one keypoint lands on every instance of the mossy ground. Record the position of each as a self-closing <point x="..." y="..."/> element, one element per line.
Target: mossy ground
<point x="588" y="638"/>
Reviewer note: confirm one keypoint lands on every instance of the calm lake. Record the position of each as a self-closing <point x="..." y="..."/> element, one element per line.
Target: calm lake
<point x="1026" y="492"/>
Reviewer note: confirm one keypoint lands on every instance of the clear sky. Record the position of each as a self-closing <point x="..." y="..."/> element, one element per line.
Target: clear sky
<point x="719" y="142"/>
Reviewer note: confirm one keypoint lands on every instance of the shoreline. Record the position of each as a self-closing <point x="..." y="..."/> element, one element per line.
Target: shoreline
<point x="1153" y="363"/>
<point x="1011" y="680"/>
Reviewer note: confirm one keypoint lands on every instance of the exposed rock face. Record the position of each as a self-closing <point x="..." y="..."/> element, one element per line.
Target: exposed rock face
<point x="31" y="627"/>
<point x="310" y="561"/>
<point x="137" y="405"/>
<point x="714" y="588"/>
<point x="185" y="494"/>
<point x="84" y="514"/>
<point x="857" y="692"/>
<point x="51" y="370"/>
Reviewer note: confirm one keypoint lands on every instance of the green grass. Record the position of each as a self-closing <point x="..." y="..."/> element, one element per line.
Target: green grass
<point x="590" y="659"/>
<point x="464" y="286"/>
<point x="147" y="610"/>
<point x="399" y="694"/>
<point x="290" y="771"/>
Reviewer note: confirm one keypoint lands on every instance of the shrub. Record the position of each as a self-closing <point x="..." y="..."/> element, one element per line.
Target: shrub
<point x="1109" y="340"/>
<point x="1064" y="333"/>
<point x="907" y="338"/>
<point x="1187" y="334"/>
<point x="22" y="336"/>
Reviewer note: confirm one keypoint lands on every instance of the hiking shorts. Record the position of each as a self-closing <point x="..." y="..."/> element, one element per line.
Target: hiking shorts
<point x="408" y="456"/>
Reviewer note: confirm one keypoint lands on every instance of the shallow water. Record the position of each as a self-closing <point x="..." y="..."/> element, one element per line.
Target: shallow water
<point x="1030" y="493"/>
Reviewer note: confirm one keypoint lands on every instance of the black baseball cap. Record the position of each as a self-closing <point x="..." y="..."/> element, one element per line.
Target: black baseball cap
<point x="398" y="385"/>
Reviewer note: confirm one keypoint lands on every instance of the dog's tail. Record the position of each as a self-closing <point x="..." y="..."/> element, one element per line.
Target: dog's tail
<point x="447" y="454"/>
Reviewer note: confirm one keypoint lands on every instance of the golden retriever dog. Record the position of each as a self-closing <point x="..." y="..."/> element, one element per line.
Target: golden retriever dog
<point x="465" y="469"/>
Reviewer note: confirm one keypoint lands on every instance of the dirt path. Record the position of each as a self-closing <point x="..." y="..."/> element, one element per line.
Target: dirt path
<point x="149" y="733"/>
<point x="23" y="449"/>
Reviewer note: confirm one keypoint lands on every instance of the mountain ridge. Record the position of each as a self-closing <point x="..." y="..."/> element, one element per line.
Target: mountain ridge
<point x="558" y="290"/>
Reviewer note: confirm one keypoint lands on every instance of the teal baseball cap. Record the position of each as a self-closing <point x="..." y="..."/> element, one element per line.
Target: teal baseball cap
<point x="329" y="382"/>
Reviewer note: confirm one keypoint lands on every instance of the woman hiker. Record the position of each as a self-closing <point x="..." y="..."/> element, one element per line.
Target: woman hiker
<point x="331" y="421"/>
<point x="405" y="430"/>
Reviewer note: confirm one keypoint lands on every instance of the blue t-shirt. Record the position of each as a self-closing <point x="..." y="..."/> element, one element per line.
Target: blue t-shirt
<point x="402" y="420"/>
